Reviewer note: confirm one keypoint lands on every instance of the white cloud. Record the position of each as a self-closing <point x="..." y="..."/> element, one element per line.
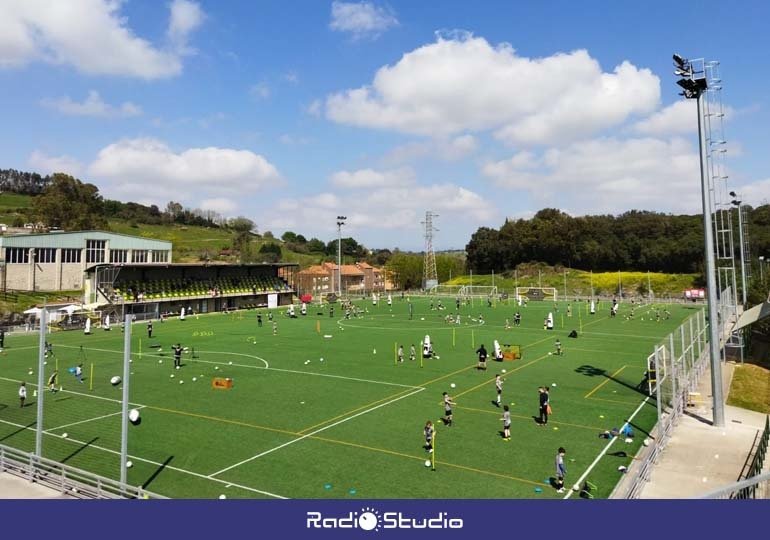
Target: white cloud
<point x="606" y="175"/>
<point x="444" y="149"/>
<point x="186" y="16"/>
<point x="291" y="77"/>
<point x="369" y="178"/>
<point x="45" y="164"/>
<point x="382" y="208"/>
<point x="93" y="37"/>
<point x="149" y="168"/>
<point x="362" y="19"/>
<point x="220" y="205"/>
<point x="756" y="193"/>
<point x="260" y="91"/>
<point x="679" y="117"/>
<point x="93" y="105"/>
<point x="293" y="140"/>
<point x="462" y="83"/>
<point x="314" y="109"/>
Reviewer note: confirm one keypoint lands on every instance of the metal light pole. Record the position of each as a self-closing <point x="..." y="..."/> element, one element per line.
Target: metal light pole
<point x="340" y="223"/>
<point x="695" y="85"/>
<point x="124" y="408"/>
<point x="761" y="270"/>
<point x="737" y="203"/>
<point x="40" y="383"/>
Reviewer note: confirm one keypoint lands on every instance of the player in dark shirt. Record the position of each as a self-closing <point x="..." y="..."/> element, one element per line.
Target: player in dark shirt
<point x="482" y="352"/>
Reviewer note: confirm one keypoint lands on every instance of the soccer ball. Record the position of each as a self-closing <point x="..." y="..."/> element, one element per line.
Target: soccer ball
<point x="427" y="463"/>
<point x="115" y="380"/>
<point x="181" y="382"/>
<point x="222" y="497"/>
<point x="438" y="357"/>
<point x="549" y="354"/>
<point x="172" y="375"/>
<point x="160" y="361"/>
<point x="177" y="367"/>
<point x="133" y="415"/>
<point x="216" y="368"/>
<point x="129" y="464"/>
<point x="64" y="435"/>
<point x="503" y="371"/>
<point x="646" y="442"/>
<point x="576" y="487"/>
<point x="195" y="379"/>
<point x="452" y="385"/>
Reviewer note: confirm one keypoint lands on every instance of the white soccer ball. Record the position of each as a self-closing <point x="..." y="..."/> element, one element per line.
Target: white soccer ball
<point x="550" y="353"/>
<point x="553" y="384"/>
<point x="452" y="385"/>
<point x="172" y="375"/>
<point x="129" y="464"/>
<point x="230" y="362"/>
<point x="427" y="463"/>
<point x="222" y="497"/>
<point x="216" y="368"/>
<point x="629" y="440"/>
<point x="133" y="415"/>
<point x="503" y="371"/>
<point x="195" y="379"/>
<point x="322" y="359"/>
<point x="115" y="380"/>
<point x="64" y="435"/>
<point x="177" y="367"/>
<point x="160" y="350"/>
<point x="576" y="487"/>
<point x="438" y="357"/>
<point x="160" y="361"/>
<point x="646" y="442"/>
<point x="181" y="382"/>
<point x="29" y="372"/>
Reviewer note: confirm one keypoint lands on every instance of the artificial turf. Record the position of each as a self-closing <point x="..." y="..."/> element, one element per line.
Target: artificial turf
<point x="351" y="425"/>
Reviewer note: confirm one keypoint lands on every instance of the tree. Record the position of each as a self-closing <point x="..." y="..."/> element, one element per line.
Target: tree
<point x="270" y="252"/>
<point x="314" y="245"/>
<point x="241" y="224"/>
<point x="70" y="204"/>
<point x="289" y="236"/>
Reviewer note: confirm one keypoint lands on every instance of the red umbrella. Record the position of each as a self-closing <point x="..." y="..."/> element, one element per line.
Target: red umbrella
<point x="307" y="298"/>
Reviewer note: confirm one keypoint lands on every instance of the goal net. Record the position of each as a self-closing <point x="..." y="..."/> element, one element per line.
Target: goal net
<point x="478" y="290"/>
<point x="445" y="290"/>
<point x="536" y="293"/>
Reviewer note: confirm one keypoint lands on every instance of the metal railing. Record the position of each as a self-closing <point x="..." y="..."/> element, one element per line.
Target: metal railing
<point x="758" y="461"/>
<point x="756" y="487"/>
<point x="679" y="363"/>
<point x="67" y="480"/>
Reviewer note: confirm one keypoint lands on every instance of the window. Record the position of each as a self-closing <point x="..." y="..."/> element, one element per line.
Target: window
<point x="159" y="256"/>
<point x="118" y="255"/>
<point x="45" y="255"/>
<point x="17" y="255"/>
<point x="95" y="251"/>
<point x="139" y="256"/>
<point x="70" y="255"/>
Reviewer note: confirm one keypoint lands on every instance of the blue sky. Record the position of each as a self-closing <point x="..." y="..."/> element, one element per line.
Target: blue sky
<point x="291" y="113"/>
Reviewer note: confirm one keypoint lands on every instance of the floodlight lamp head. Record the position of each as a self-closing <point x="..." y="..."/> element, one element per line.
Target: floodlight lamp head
<point x="736" y="202"/>
<point x="733" y="194"/>
<point x="680" y="62"/>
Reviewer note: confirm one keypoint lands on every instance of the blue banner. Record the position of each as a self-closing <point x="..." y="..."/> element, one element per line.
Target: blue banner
<point x="321" y="519"/>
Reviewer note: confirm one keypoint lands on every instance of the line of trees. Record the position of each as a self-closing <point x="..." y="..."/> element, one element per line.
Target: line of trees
<point x="635" y="240"/>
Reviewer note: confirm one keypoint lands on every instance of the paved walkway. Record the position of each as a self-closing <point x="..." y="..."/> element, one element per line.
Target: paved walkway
<point x="14" y="487"/>
<point x="699" y="457"/>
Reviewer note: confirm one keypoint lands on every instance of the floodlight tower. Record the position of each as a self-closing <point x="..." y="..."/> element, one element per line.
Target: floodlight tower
<point x="340" y="223"/>
<point x="429" y="276"/>
<point x="694" y="85"/>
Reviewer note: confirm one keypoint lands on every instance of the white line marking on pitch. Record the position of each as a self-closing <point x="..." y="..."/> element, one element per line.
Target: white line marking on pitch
<point x="267" y="366"/>
<point x="313" y="433"/>
<point x="77" y="393"/>
<point x="607" y="447"/>
<point x="170" y="467"/>
<point x="88" y="420"/>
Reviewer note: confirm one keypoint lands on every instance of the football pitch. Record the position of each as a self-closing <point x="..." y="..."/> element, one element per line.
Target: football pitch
<point x="323" y="410"/>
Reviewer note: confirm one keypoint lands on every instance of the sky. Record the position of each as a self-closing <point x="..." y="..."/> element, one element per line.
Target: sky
<point x="292" y="112"/>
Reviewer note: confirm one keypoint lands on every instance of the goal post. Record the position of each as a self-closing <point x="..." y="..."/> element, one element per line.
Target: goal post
<point x="537" y="293"/>
<point x="478" y="290"/>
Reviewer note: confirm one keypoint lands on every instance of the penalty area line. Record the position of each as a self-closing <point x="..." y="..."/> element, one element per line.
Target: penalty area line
<point x="298" y="439"/>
